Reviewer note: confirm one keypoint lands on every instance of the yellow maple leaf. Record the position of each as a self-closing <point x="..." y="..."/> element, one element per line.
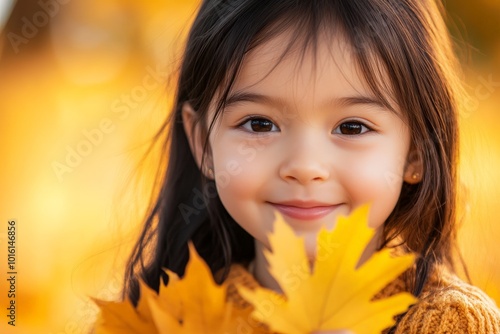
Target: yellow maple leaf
<point x="193" y="304"/>
<point x="335" y="295"/>
<point x="122" y="317"/>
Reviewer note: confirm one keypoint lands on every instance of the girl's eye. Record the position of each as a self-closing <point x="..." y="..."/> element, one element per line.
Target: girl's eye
<point x="351" y="128"/>
<point x="258" y="124"/>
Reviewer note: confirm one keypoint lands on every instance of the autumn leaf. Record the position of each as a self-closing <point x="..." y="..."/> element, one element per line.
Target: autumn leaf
<point x="122" y="317"/>
<point x="193" y="304"/>
<point x="199" y="305"/>
<point x="335" y="295"/>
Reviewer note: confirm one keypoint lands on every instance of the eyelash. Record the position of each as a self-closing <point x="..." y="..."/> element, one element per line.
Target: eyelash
<point x="351" y="122"/>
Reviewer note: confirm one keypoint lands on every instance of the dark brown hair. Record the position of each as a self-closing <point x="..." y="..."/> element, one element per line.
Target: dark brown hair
<point x="407" y="40"/>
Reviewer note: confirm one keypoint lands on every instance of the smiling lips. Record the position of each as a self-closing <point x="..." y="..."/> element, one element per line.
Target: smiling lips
<point x="304" y="210"/>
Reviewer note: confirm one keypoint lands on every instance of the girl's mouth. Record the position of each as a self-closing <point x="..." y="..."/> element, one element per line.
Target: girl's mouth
<point x="309" y="213"/>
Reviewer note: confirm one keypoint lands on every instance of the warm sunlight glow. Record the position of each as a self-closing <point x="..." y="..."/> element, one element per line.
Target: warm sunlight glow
<point x="80" y="99"/>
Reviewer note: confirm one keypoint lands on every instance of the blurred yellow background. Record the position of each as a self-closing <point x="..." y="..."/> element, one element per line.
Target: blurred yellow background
<point x="82" y="90"/>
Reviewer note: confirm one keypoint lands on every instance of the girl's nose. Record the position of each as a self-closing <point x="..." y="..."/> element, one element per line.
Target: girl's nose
<point x="305" y="162"/>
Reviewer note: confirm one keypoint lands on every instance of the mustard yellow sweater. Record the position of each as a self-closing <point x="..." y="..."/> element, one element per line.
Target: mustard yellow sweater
<point x="447" y="305"/>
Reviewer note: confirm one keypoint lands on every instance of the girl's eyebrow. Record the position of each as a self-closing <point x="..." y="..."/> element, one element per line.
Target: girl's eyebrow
<point x="277" y="102"/>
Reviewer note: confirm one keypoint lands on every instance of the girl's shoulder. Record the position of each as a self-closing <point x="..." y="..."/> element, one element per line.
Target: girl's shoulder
<point x="450" y="305"/>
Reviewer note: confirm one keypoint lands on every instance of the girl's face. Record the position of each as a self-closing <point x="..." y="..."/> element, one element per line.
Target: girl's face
<point x="301" y="134"/>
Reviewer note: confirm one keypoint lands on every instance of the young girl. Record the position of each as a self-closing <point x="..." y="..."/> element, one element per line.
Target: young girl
<point x="313" y="108"/>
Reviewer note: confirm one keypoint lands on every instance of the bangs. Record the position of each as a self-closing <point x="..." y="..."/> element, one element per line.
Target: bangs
<point x="309" y="24"/>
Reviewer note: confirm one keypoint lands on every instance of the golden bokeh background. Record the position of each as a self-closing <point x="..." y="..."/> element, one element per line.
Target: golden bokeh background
<point x="82" y="90"/>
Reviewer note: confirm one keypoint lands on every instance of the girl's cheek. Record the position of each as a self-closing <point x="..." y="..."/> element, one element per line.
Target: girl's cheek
<point x="238" y="167"/>
<point x="373" y="180"/>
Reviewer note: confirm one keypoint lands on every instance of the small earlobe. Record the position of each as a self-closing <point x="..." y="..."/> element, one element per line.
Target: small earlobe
<point x="414" y="169"/>
<point x="412" y="177"/>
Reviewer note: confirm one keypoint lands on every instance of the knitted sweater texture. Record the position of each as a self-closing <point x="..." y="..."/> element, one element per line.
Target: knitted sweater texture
<point x="447" y="305"/>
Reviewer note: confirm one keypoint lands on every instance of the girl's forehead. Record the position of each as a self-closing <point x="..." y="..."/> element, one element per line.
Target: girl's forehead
<point x="286" y="67"/>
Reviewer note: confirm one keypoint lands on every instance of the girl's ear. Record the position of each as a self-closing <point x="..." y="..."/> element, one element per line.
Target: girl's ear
<point x="414" y="170"/>
<point x="194" y="138"/>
